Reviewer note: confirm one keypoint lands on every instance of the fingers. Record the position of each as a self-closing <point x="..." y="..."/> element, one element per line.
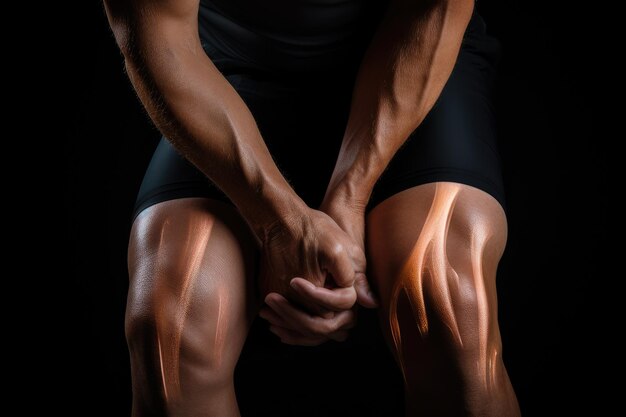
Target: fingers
<point x="306" y="324"/>
<point x="364" y="294"/>
<point x="336" y="299"/>
<point x="312" y="307"/>
<point x="276" y="320"/>
<point x="280" y="328"/>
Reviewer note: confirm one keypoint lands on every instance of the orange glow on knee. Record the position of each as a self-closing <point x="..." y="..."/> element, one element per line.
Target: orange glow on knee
<point x="429" y="259"/>
<point x="429" y="254"/>
<point x="220" y="325"/>
<point x="170" y="330"/>
<point x="487" y="354"/>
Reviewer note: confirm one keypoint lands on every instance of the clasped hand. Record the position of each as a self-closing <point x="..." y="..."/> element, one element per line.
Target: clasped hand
<point x="313" y="274"/>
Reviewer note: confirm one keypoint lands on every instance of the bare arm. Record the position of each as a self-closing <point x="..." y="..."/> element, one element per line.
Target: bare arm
<point x="196" y="108"/>
<point x="402" y="74"/>
<point x="408" y="62"/>
<point x="204" y="117"/>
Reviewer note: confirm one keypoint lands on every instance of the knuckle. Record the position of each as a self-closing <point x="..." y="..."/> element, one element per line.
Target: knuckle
<point x="338" y="249"/>
<point x="356" y="251"/>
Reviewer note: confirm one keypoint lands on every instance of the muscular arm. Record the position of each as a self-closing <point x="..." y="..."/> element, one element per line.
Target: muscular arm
<point x="204" y="117"/>
<point x="196" y="108"/>
<point x="402" y="74"/>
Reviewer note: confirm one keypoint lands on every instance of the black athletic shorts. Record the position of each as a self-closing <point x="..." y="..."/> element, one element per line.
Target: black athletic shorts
<point x="302" y="118"/>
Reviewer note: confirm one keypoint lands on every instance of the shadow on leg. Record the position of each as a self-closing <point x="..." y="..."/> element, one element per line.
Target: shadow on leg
<point x="433" y="251"/>
<point x="189" y="307"/>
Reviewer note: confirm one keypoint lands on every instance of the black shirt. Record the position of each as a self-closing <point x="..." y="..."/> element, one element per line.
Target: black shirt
<point x="289" y="35"/>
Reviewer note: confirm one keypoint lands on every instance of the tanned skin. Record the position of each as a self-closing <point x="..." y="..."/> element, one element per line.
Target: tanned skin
<point x="191" y="260"/>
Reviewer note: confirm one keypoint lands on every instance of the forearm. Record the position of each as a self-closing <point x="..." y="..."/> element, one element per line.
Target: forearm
<point x="402" y="74"/>
<point x="206" y="120"/>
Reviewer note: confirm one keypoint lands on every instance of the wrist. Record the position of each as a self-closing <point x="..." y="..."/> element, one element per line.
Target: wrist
<point x="275" y="206"/>
<point x="345" y="203"/>
<point x="346" y="196"/>
<point x="359" y="165"/>
<point x="353" y="186"/>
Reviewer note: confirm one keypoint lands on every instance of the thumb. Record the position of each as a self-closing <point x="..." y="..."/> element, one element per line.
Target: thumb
<point x="340" y="266"/>
<point x="364" y="294"/>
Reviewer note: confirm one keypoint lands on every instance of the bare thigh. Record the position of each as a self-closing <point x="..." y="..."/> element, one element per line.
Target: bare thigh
<point x="190" y="304"/>
<point x="433" y="251"/>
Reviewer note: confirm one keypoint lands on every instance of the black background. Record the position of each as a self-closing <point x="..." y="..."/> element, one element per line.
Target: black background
<point x="551" y="278"/>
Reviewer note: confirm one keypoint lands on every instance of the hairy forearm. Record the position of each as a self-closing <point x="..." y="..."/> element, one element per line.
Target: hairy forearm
<point x="203" y="116"/>
<point x="402" y="74"/>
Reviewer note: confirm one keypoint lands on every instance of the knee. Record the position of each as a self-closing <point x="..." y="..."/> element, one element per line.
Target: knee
<point x="176" y="343"/>
<point x="446" y="267"/>
<point x="445" y="307"/>
<point x="449" y="283"/>
<point x="449" y="333"/>
<point x="437" y="283"/>
<point x="445" y="312"/>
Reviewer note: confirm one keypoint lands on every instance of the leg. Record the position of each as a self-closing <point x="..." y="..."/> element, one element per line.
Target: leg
<point x="189" y="307"/>
<point x="433" y="251"/>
